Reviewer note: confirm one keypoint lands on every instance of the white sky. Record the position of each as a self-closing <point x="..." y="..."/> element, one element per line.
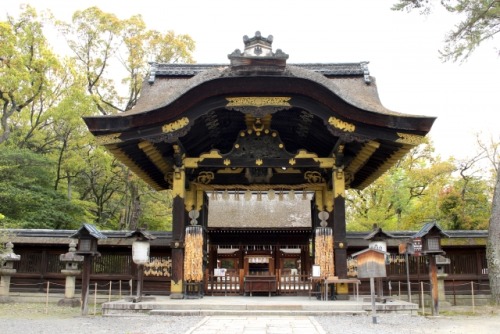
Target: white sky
<point x="402" y="50"/>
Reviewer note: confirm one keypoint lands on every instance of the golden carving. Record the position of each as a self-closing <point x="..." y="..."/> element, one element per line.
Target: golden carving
<point x="323" y="162"/>
<point x="292" y="161"/>
<point x="175" y="125"/>
<point x="227" y="162"/>
<point x="258" y="101"/>
<point x="205" y="177"/>
<point x="112" y="138"/>
<point x="259" y="162"/>
<point x="304" y="154"/>
<point x="411" y="139"/>
<point x="341" y="125"/>
<point x="193" y="162"/>
<point x="313" y="177"/>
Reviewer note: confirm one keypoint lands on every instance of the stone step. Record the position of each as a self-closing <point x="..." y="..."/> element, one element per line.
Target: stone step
<point x="227" y="312"/>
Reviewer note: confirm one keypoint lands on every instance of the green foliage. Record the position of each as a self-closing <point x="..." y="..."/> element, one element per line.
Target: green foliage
<point x="53" y="173"/>
<point x="27" y="199"/>
<point x="418" y="188"/>
<point x="481" y="21"/>
<point x="26" y="65"/>
<point x="468" y="210"/>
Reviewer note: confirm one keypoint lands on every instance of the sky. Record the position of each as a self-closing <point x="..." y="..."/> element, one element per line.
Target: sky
<point x="401" y="48"/>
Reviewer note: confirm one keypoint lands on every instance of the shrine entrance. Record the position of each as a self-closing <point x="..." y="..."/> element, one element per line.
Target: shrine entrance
<point x="258" y="130"/>
<point x="268" y="253"/>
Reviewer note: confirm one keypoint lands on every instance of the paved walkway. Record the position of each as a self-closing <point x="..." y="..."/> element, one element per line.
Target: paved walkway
<point x="257" y="325"/>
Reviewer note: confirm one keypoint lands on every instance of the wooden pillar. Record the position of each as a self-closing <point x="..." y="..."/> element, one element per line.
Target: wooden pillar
<point x="339" y="228"/>
<point x="178" y="226"/>
<point x="87" y="265"/>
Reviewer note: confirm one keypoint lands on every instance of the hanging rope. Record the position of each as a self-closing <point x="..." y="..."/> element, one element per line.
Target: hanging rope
<point x="323" y="244"/>
<point x="193" y="256"/>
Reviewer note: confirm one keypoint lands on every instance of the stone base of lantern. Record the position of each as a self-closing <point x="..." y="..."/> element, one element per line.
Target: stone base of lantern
<point x="69" y="302"/>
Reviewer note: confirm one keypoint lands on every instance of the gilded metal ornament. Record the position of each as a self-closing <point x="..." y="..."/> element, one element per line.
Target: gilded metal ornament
<point x="258" y="101"/>
<point x="411" y="139"/>
<point x="341" y="125"/>
<point x="313" y="177"/>
<point x="112" y="138"/>
<point x="205" y="177"/>
<point x="176" y="125"/>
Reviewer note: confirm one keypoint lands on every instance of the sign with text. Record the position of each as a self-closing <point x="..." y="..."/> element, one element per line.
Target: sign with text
<point x="417" y="246"/>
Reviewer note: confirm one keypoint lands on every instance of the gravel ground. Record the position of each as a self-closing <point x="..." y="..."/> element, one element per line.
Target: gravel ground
<point x="36" y="319"/>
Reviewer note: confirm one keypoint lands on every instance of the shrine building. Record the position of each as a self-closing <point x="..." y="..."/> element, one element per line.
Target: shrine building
<point x="258" y="154"/>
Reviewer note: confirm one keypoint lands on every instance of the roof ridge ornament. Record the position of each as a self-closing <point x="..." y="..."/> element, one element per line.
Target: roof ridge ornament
<point x="258" y="55"/>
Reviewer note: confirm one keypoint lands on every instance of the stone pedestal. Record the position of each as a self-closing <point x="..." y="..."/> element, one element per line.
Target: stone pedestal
<point x="5" y="274"/>
<point x="71" y="271"/>
<point x="69" y="289"/>
<point x="7" y="260"/>
<point x="441" y="291"/>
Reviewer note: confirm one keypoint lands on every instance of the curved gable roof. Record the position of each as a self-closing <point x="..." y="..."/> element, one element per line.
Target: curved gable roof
<point x="327" y="110"/>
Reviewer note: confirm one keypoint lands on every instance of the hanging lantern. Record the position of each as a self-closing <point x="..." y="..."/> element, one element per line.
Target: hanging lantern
<point x="281" y="195"/>
<point x="140" y="251"/>
<point x="236" y="195"/>
<point x="248" y="195"/>
<point x="304" y="195"/>
<point x="225" y="195"/>
<point x="271" y="194"/>
<point x="193" y="256"/>
<point x="259" y="196"/>
<point x="291" y="195"/>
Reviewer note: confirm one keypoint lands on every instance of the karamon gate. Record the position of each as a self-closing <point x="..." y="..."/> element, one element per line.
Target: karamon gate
<point x="258" y="155"/>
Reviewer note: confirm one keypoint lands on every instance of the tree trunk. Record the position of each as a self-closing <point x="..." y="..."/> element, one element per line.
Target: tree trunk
<point x="493" y="247"/>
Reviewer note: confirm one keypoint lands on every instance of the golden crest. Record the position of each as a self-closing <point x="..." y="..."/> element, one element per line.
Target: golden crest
<point x="205" y="177"/>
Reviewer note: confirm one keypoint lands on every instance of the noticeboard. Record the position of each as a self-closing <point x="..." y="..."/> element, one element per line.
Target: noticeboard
<point x="417" y="246"/>
<point x="316" y="271"/>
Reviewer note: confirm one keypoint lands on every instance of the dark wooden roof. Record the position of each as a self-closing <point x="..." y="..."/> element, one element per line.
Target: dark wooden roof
<point x="461" y="238"/>
<point x="324" y="110"/>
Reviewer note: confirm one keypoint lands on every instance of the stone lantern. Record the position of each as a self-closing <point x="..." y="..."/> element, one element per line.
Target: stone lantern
<point x="71" y="271"/>
<point x="7" y="260"/>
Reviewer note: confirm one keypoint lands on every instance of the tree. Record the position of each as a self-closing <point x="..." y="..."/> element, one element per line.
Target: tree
<point x="404" y="196"/>
<point x="481" y="22"/>
<point x="26" y="62"/>
<point x="106" y="47"/>
<point x="27" y="199"/>
<point x="493" y="248"/>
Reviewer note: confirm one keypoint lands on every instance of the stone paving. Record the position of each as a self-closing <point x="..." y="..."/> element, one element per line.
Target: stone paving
<point x="257" y="325"/>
